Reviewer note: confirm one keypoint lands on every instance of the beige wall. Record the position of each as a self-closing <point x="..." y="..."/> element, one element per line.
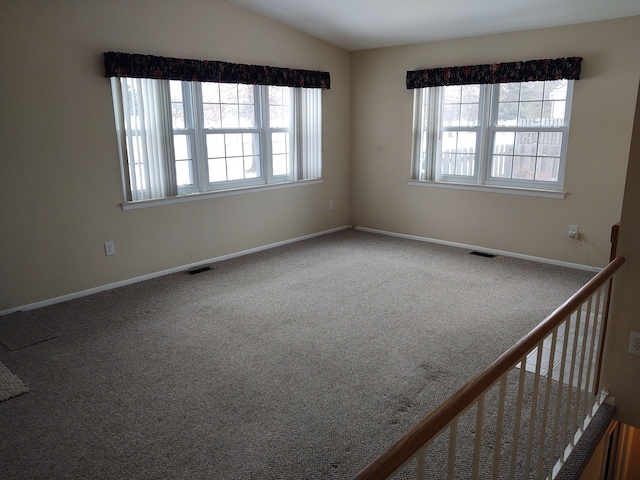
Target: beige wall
<point x="602" y="116"/>
<point x="60" y="188"/>
<point x="621" y="371"/>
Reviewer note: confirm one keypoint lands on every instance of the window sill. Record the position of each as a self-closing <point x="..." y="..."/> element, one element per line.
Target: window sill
<point x="220" y="193"/>
<point x="559" y="194"/>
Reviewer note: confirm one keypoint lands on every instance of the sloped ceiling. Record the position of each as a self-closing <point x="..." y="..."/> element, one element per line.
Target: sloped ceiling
<point x="362" y="24"/>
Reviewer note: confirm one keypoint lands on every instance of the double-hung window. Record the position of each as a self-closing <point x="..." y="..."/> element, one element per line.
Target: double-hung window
<point x="179" y="137"/>
<point x="478" y="129"/>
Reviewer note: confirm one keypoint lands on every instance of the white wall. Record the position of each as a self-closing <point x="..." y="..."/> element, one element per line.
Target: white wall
<point x="60" y="187"/>
<point x="601" y="122"/>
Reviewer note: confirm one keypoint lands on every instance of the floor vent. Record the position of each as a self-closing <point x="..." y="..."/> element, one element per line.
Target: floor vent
<point x="198" y="270"/>
<point x="482" y="254"/>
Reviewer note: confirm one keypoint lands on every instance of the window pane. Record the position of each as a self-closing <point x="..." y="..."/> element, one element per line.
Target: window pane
<point x="524" y="168"/>
<point x="531" y="91"/>
<point x="215" y="146"/>
<point x="501" y="165"/>
<point x="217" y="170"/>
<point x="181" y="147"/>
<point x="228" y="105"/>
<point x="177" y="104"/>
<point x="279" y="142"/>
<point x="235" y="168"/>
<point x="532" y="103"/>
<point x="458" y="153"/>
<point x="547" y="169"/>
<point x="537" y="155"/>
<point x="461" y="106"/>
<point x="470" y="93"/>
<point x="280" y="153"/>
<point x="549" y="144"/>
<point x="509" y="92"/>
<point x="210" y="92"/>
<point x="452" y="94"/>
<point x="211" y="115"/>
<point x="247" y="116"/>
<point x="469" y="115"/>
<point x="245" y="94"/>
<point x="502" y="158"/>
<point x="530" y="113"/>
<point x="233" y="144"/>
<point x="503" y="142"/>
<point x="280" y="163"/>
<point x="451" y="115"/>
<point x="175" y="87"/>
<point x="229" y="116"/>
<point x="507" y="114"/>
<point x="279" y="105"/>
<point x="233" y="156"/>
<point x="184" y="174"/>
<point x="556" y="90"/>
<point x="251" y="167"/>
<point x="177" y="115"/>
<point x="228" y="93"/>
<point x="526" y="143"/>
<point x="553" y="113"/>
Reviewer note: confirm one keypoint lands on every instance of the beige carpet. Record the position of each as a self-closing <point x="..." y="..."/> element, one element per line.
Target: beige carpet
<point x="10" y="385"/>
<point x="301" y="362"/>
<point x="18" y="331"/>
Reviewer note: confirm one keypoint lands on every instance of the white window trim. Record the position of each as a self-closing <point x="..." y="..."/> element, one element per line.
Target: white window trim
<point x="529" y="192"/>
<point x="216" y="194"/>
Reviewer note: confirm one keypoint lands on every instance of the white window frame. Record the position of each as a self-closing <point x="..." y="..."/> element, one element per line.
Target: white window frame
<point x="426" y="145"/>
<point x="304" y="152"/>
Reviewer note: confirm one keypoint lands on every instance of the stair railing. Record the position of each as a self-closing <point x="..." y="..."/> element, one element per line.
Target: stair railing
<point x="522" y="415"/>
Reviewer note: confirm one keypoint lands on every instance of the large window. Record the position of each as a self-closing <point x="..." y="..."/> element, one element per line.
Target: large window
<point x="493" y="125"/>
<point x="508" y="134"/>
<point x="194" y="126"/>
<point x="190" y="137"/>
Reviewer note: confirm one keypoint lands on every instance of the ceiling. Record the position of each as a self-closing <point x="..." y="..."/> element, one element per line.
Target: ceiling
<point x="361" y="24"/>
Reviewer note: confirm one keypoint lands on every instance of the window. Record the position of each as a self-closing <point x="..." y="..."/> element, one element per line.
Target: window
<point x="190" y="137"/>
<point x="504" y="134"/>
<point x="193" y="126"/>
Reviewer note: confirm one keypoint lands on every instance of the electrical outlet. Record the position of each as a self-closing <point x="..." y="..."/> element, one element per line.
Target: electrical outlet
<point x="109" y="248"/>
<point x="330" y="204"/>
<point x="634" y="343"/>
<point x="573" y="231"/>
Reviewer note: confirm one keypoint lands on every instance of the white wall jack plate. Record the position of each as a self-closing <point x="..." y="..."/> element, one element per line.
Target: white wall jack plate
<point x="634" y="343"/>
<point x="330" y="204"/>
<point x="109" y="248"/>
<point x="573" y="231"/>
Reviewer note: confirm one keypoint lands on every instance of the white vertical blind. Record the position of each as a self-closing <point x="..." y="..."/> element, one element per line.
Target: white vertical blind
<point x="307" y="133"/>
<point x="144" y="126"/>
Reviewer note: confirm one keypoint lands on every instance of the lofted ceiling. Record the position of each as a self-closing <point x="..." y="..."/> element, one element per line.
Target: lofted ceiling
<point x="362" y="24"/>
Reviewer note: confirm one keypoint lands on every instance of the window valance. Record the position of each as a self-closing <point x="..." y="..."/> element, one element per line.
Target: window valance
<point x="528" y="71"/>
<point x="149" y="66"/>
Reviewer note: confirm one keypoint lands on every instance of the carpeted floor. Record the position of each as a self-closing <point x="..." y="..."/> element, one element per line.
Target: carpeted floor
<point x="10" y="385"/>
<point x="305" y="361"/>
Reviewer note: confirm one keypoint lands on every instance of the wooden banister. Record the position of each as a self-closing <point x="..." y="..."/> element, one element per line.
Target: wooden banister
<point x="405" y="448"/>
<point x="615" y="233"/>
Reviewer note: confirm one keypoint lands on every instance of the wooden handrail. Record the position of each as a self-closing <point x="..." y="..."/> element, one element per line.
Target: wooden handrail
<point x="396" y="456"/>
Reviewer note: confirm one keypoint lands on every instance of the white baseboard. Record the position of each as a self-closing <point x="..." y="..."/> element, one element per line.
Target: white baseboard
<point x="182" y="268"/>
<point x="550" y="261"/>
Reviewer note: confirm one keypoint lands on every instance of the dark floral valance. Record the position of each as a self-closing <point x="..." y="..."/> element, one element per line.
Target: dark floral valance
<point x="529" y="71"/>
<point x="149" y="66"/>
